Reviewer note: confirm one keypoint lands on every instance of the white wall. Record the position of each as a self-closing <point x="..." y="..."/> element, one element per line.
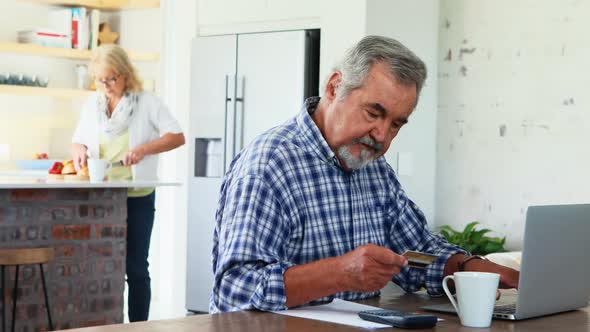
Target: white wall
<point x="513" y="110"/>
<point x="342" y="23"/>
<point x="415" y="24"/>
<point x="169" y="251"/>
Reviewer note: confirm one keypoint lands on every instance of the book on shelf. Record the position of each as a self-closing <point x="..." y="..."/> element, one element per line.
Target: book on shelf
<point x="44" y="37"/>
<point x="60" y="21"/>
<point x="85" y="24"/>
<point x="94" y="27"/>
<point x="79" y="28"/>
<point x="76" y="28"/>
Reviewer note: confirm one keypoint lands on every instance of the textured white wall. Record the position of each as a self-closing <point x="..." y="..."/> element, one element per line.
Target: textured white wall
<point x="513" y="110"/>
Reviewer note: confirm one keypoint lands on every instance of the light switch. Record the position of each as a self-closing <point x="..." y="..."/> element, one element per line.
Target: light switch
<point x="4" y="152"/>
<point x="405" y="164"/>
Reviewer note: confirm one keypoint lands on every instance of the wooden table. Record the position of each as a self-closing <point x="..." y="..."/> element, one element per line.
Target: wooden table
<point x="573" y="321"/>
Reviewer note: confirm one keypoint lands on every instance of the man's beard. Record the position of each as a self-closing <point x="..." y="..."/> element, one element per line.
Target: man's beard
<point x="365" y="156"/>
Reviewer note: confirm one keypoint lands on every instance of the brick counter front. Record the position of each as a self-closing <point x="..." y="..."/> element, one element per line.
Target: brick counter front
<point x="87" y="228"/>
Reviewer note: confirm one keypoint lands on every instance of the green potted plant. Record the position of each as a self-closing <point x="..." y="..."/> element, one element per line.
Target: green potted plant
<point x="474" y="240"/>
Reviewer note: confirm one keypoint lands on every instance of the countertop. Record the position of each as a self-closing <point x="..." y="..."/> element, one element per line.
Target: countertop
<point x="38" y="179"/>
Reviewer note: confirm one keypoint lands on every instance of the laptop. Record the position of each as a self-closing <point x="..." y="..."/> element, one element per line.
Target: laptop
<point x="555" y="267"/>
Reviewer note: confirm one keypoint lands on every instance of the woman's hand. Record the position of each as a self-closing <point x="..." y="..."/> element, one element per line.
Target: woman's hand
<point x="79" y="155"/>
<point x="134" y="156"/>
<point x="167" y="142"/>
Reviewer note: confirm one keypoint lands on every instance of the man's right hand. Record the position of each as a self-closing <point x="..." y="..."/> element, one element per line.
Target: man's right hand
<point x="367" y="268"/>
<point x="370" y="267"/>
<point x="79" y="155"/>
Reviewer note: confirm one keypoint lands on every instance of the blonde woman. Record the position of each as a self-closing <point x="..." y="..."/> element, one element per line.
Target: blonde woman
<point x="122" y="122"/>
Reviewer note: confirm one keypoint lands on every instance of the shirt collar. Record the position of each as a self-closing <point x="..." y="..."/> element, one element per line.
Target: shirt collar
<point x="312" y="134"/>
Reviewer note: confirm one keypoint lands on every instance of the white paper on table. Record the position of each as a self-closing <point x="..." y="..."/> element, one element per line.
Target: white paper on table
<point x="338" y="311"/>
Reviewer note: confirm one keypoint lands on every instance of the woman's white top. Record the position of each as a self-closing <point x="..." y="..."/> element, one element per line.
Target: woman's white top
<point x="151" y="120"/>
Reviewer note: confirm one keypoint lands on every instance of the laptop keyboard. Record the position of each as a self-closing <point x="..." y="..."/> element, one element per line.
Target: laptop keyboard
<point x="505" y="308"/>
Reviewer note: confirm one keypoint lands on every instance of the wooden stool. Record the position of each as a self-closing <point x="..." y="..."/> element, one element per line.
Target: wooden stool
<point x="25" y="256"/>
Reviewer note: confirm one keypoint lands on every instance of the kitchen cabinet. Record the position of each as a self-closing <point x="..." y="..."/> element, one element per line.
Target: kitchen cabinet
<point x="234" y="12"/>
<point x="242" y="85"/>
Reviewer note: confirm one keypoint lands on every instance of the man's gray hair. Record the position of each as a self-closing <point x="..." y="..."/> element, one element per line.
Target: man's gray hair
<point x="403" y="64"/>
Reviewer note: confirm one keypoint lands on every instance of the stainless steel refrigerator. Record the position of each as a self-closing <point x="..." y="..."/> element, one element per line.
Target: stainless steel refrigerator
<point x="241" y="86"/>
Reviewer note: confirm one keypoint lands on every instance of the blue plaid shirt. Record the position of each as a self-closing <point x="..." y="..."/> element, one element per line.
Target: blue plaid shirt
<point x="287" y="201"/>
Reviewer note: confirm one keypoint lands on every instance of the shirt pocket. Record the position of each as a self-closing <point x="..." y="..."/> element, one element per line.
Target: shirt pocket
<point x="374" y="228"/>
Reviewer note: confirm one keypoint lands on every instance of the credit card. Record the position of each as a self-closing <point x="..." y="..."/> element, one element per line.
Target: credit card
<point x="419" y="259"/>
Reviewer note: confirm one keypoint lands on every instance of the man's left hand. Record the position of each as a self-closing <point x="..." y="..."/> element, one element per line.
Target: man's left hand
<point x="508" y="277"/>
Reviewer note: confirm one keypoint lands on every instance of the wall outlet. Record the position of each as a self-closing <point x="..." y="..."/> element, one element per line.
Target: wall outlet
<point x="405" y="164"/>
<point x="4" y="152"/>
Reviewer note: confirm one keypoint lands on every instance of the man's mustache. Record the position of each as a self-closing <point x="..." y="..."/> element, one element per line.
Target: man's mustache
<point x="369" y="142"/>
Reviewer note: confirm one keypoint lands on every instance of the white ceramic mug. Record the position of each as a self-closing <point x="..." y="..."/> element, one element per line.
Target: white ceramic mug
<point x="476" y="296"/>
<point x="97" y="169"/>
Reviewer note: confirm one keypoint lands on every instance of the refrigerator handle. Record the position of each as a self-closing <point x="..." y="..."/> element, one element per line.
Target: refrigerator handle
<point x="227" y="100"/>
<point x="235" y="118"/>
<point x="241" y="99"/>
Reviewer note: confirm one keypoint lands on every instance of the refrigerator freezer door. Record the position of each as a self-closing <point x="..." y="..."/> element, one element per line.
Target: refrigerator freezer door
<point x="212" y="76"/>
<point x="270" y="84"/>
<point x="212" y="90"/>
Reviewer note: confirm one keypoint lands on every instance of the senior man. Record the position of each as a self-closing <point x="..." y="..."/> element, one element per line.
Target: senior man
<point x="312" y="211"/>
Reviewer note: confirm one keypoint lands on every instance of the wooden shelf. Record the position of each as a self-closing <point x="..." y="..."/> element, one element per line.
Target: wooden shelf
<point x="103" y="4"/>
<point x="68" y="53"/>
<point x="20" y="90"/>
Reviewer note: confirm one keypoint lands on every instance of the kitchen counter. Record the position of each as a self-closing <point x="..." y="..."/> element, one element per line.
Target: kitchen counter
<point x="38" y="179"/>
<point x="86" y="224"/>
